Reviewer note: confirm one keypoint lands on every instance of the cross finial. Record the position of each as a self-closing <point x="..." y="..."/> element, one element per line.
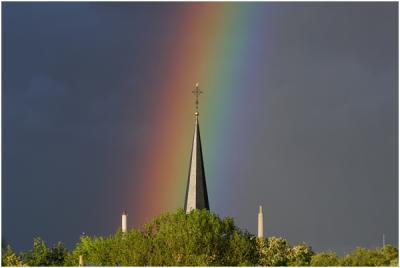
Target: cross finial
<point x="197" y="93"/>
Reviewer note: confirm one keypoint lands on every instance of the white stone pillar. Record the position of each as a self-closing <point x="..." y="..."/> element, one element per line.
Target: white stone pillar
<point x="124" y="222"/>
<point x="260" y="224"/>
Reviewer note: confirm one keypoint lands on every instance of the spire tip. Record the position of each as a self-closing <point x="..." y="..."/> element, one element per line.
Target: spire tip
<point x="196" y="93"/>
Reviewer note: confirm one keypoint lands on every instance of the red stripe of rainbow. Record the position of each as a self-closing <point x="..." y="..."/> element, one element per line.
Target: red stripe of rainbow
<point x="208" y="48"/>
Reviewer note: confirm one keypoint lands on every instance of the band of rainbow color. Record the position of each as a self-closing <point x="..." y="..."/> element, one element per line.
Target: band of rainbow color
<point x="213" y="41"/>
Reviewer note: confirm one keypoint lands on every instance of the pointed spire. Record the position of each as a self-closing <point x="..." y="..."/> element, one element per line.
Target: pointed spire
<point x="196" y="190"/>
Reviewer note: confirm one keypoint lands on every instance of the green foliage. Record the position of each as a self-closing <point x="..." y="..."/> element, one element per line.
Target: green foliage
<point x="38" y="255"/>
<point x="242" y="250"/>
<point x="9" y="258"/>
<point x="273" y="252"/>
<point x="199" y="238"/>
<point x="41" y="255"/>
<point x="385" y="256"/>
<point x="57" y="255"/>
<point x="327" y="258"/>
<point x="129" y="249"/>
<point x="394" y="262"/>
<point x="300" y="255"/>
<point x="389" y="256"/>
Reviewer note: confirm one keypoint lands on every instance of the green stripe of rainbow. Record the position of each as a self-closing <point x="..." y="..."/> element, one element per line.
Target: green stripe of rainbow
<point x="209" y="48"/>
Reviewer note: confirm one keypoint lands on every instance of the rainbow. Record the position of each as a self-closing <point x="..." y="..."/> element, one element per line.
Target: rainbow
<point x="213" y="46"/>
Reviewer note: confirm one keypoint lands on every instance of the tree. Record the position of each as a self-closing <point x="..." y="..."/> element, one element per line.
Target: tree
<point x="9" y="258"/>
<point x="242" y="250"/>
<point x="300" y="255"/>
<point x="57" y="255"/>
<point x="41" y="255"/>
<point x="96" y="251"/>
<point x="38" y="256"/>
<point x="273" y="252"/>
<point x="369" y="257"/>
<point x="389" y="256"/>
<point x="327" y="258"/>
<point x="199" y="238"/>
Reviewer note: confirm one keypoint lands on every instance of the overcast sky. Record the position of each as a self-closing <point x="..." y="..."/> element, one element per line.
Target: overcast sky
<point x="326" y="134"/>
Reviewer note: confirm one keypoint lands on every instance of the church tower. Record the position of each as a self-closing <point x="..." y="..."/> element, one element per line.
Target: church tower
<point x="196" y="190"/>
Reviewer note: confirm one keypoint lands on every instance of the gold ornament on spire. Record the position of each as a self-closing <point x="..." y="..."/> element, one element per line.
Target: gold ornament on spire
<point x="197" y="93"/>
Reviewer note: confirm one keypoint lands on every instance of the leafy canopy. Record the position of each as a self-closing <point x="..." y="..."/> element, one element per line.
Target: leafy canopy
<point x="199" y="238"/>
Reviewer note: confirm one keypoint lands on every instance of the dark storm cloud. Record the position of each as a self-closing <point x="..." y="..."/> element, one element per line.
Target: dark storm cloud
<point x="322" y="115"/>
<point x="54" y="101"/>
<point x="326" y="131"/>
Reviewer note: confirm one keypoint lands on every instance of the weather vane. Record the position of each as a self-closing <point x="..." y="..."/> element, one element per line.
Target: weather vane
<point x="197" y="93"/>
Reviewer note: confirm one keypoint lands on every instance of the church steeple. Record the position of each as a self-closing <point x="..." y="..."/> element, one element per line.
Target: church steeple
<point x="196" y="190"/>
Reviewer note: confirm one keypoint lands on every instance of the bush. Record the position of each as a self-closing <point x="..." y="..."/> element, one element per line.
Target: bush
<point x="328" y="258"/>
<point x="273" y="251"/>
<point x="9" y="258"/>
<point x="384" y="256"/>
<point x="41" y="255"/>
<point x="300" y="255"/>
